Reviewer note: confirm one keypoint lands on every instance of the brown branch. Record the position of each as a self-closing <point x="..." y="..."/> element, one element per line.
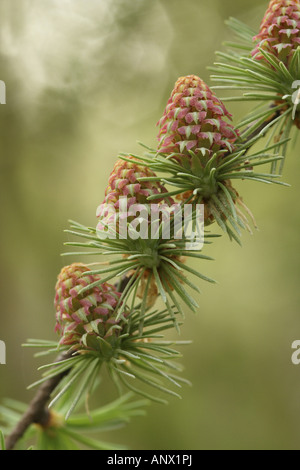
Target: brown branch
<point x="37" y="411"/>
<point x="260" y="128"/>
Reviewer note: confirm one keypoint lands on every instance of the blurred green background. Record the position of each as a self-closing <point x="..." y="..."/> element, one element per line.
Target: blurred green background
<point x="86" y="80"/>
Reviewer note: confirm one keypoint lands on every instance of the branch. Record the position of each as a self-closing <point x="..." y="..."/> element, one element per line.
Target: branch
<point x="37" y="411"/>
<point x="261" y="127"/>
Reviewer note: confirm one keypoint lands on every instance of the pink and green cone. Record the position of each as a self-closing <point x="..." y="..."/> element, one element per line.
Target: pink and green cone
<point x="195" y="119"/>
<point x="82" y="317"/>
<point x="124" y="182"/>
<point x="195" y="130"/>
<point x="279" y="31"/>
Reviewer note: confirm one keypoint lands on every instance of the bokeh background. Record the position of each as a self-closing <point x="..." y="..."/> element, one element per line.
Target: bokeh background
<point x="86" y="80"/>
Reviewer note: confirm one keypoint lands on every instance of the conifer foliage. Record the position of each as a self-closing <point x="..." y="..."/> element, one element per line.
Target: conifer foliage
<point x="113" y="313"/>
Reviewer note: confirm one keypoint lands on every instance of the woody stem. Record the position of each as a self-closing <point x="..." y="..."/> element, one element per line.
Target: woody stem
<point x="37" y="411"/>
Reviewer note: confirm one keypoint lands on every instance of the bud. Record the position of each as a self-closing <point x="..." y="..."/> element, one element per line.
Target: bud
<point x="209" y="204"/>
<point x="82" y="317"/>
<point x="195" y="134"/>
<point x="280" y="30"/>
<point x="152" y="293"/>
<point x="124" y="183"/>
<point x="195" y="119"/>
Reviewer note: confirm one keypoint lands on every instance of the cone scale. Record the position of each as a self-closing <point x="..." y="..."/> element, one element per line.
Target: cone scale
<point x="279" y="31"/>
<point x="196" y="133"/>
<point x="79" y="316"/>
<point x="195" y="119"/>
<point x="124" y="182"/>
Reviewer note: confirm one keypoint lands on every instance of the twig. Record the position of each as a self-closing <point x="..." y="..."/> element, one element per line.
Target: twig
<point x="260" y="128"/>
<point x="37" y="411"/>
